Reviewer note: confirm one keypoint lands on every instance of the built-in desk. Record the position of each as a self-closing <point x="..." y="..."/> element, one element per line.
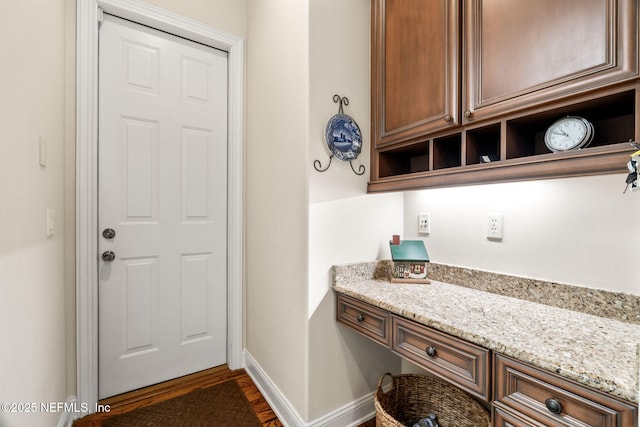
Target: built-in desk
<point x="538" y="359"/>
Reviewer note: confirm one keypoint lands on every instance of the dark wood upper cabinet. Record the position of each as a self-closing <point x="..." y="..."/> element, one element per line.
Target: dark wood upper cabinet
<point x="462" y="91"/>
<point x="415" y="73"/>
<point x="521" y="53"/>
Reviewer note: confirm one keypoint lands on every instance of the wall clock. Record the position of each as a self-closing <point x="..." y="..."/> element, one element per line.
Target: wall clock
<point x="569" y="133"/>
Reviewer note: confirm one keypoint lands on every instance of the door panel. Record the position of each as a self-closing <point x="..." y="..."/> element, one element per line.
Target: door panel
<point x="521" y="53"/>
<point x="162" y="187"/>
<point x="415" y="70"/>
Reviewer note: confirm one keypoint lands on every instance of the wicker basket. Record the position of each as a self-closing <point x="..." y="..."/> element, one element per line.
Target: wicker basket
<point x="413" y="397"/>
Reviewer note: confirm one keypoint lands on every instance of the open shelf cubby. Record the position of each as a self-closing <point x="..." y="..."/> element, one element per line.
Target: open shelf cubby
<point x="483" y="144"/>
<point x="404" y="160"/>
<point x="512" y="148"/>
<point x="447" y="151"/>
<point x="613" y="119"/>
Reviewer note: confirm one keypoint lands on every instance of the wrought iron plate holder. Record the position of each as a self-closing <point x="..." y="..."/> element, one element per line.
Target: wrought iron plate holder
<point x="317" y="164"/>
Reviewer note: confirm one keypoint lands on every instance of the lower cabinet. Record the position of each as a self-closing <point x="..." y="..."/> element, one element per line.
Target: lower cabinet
<point x="463" y="364"/>
<point x="520" y="395"/>
<point x="370" y="321"/>
<point x="503" y="417"/>
<point x="527" y="396"/>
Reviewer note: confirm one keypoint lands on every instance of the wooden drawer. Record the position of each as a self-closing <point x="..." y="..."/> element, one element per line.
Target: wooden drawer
<point x="463" y="364"/>
<point x="533" y="393"/>
<point x="503" y="417"/>
<point x="364" y="318"/>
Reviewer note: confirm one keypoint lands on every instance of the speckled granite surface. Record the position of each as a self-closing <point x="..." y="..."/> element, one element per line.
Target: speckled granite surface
<point x="614" y="305"/>
<point x="599" y="352"/>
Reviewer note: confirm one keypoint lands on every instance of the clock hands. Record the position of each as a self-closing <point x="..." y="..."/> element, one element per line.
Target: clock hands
<point x="569" y="133"/>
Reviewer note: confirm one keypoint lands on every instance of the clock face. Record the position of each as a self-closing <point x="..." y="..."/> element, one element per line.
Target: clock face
<point x="569" y="133"/>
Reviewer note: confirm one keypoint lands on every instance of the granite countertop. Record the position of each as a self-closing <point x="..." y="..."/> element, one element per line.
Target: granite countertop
<point x="595" y="351"/>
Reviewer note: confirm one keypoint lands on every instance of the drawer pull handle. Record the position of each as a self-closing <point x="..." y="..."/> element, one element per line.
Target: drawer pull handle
<point x="360" y="317"/>
<point x="553" y="405"/>
<point x="431" y="351"/>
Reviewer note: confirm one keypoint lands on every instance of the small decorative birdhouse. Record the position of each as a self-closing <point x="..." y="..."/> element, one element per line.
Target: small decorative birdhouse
<point x="410" y="260"/>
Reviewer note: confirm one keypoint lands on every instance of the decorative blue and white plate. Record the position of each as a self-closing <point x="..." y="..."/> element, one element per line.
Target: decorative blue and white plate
<point x="343" y="137"/>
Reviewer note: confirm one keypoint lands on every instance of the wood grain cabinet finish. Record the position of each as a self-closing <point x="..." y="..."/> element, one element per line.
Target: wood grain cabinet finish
<point x="522" y="53"/>
<point x="464" y="364"/>
<point x="462" y="91"/>
<point x="370" y="321"/>
<point x="527" y="396"/>
<point x="521" y="395"/>
<point x="503" y="417"/>
<point x="415" y="68"/>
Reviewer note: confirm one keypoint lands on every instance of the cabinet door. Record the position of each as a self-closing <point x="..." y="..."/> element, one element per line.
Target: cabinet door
<point x="520" y="53"/>
<point x="415" y="72"/>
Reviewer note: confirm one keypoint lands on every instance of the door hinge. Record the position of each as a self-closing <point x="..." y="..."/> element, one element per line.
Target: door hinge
<point x="100" y="16"/>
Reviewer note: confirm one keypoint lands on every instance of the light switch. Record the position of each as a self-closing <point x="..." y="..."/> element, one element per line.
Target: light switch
<point x="42" y="150"/>
<point x="51" y="222"/>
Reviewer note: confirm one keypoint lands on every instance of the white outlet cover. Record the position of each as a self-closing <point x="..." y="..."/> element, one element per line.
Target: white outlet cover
<point x="495" y="226"/>
<point x="424" y="223"/>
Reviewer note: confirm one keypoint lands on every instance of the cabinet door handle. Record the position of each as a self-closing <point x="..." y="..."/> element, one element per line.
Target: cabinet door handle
<point x="553" y="405"/>
<point x="431" y="351"/>
<point x="467" y="113"/>
<point x="448" y="118"/>
<point x="360" y="317"/>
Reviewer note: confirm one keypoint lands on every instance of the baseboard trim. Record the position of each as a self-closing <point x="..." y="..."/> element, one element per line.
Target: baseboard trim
<point x="68" y="417"/>
<point x="278" y="402"/>
<point x="350" y="415"/>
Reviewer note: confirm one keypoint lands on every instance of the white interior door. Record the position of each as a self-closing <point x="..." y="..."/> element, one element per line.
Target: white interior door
<point x="162" y="188"/>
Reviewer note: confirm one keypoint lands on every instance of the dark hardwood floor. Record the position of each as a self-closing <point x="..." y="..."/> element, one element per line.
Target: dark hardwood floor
<point x="167" y="390"/>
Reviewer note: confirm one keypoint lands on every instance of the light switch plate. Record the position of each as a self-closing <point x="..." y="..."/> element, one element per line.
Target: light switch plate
<point x="42" y="151"/>
<point x="51" y="222"/>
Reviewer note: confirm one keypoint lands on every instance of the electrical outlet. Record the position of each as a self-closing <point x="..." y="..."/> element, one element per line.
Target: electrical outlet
<point x="424" y="223"/>
<point x="494" y="227"/>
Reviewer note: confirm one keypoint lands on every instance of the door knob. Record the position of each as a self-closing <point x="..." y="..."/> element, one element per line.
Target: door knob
<point x="109" y="233"/>
<point x="108" y="256"/>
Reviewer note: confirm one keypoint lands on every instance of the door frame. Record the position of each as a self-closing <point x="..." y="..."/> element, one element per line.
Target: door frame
<point x="88" y="15"/>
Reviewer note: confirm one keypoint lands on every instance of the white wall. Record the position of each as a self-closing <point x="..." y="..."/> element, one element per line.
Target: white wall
<point x="345" y="224"/>
<point x="300" y="222"/>
<point x="230" y="16"/>
<point x="32" y="279"/>
<point x="276" y="190"/>
<point x="343" y="365"/>
<point x="579" y="231"/>
<point x="37" y="282"/>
